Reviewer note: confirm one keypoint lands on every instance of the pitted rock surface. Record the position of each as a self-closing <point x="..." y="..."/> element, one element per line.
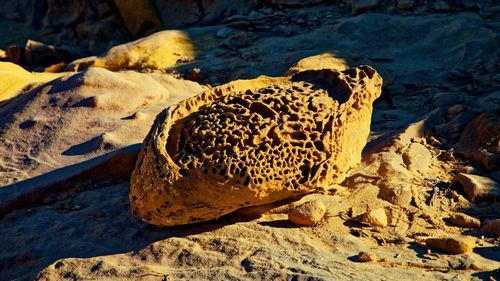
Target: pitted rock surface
<point x="253" y="142"/>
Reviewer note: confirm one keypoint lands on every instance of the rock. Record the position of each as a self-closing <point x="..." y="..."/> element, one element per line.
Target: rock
<point x="138" y="16"/>
<point x="307" y="214"/>
<point x="477" y="187"/>
<point x="177" y="13"/>
<point x="453" y="128"/>
<point x="441" y="6"/>
<point x="464" y="220"/>
<point x="228" y="148"/>
<point x="467" y="170"/>
<point x="37" y="53"/>
<point x="406" y="4"/>
<point x="159" y="51"/>
<point x="493" y="227"/>
<point x="366" y="257"/>
<point x="239" y="40"/>
<point x="223" y="33"/>
<point x="375" y="217"/>
<point x="321" y="61"/>
<point x="293" y="2"/>
<point x="417" y="158"/>
<point x="360" y="6"/>
<point x="453" y="244"/>
<point x="480" y="141"/>
<point x="395" y="192"/>
<point x="14" y="78"/>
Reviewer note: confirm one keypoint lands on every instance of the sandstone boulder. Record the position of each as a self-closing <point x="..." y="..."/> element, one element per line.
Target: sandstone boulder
<point x="464" y="220"/>
<point x="480" y="141"/>
<point x="452" y="244"/>
<point x="252" y="142"/>
<point x="477" y="187"/>
<point x="158" y="51"/>
<point x="376" y="217"/>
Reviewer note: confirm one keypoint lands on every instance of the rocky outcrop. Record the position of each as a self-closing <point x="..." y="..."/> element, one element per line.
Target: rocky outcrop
<point x="252" y="142"/>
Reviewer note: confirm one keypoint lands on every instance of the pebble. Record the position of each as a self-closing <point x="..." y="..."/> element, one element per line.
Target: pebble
<point x="463" y="220"/>
<point x="452" y="244"/>
<point x="366" y="257"/>
<point x="307" y="214"/>
<point x="376" y="217"/>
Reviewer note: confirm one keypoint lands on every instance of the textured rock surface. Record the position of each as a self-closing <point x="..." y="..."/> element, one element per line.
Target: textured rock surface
<point x="307" y="214"/>
<point x="493" y="227"/>
<point x="253" y="142"/>
<point x="453" y="245"/>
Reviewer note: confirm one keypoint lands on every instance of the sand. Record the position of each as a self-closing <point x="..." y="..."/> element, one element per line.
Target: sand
<point x="440" y="70"/>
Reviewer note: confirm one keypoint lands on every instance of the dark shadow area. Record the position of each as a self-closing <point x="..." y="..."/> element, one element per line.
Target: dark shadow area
<point x="492" y="252"/>
<point x="279" y="224"/>
<point x="76" y="224"/>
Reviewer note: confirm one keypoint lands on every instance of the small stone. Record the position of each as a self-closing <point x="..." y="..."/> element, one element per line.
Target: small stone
<point x="477" y="187"/>
<point x="453" y="245"/>
<point x="492" y="227"/>
<point x="366" y="257"/>
<point x="406" y="4"/>
<point x="308" y="213"/>
<point x="360" y="6"/>
<point x="375" y="217"/>
<point x="464" y="220"/>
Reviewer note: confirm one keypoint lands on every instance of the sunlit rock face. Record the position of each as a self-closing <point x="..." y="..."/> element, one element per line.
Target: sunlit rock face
<point x="253" y="142"/>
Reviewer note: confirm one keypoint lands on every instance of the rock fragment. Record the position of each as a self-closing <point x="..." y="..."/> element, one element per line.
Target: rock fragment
<point x="307" y="214"/>
<point x="492" y="227"/>
<point x="376" y="217"/>
<point x="366" y="257"/>
<point x="417" y="157"/>
<point x="477" y="187"/>
<point x="463" y="220"/>
<point x="453" y="244"/>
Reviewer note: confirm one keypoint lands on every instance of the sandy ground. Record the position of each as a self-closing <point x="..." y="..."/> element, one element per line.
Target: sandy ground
<point x="430" y="62"/>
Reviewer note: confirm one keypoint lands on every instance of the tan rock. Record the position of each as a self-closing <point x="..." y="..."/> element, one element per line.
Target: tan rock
<point x="376" y="217"/>
<point x="480" y="140"/>
<point x="417" y="158"/>
<point x="159" y="51"/>
<point x="493" y="227"/>
<point x="308" y="213"/>
<point x="321" y="61"/>
<point x="464" y="220"/>
<point x="252" y="142"/>
<point x="366" y="257"/>
<point x="477" y="187"/>
<point x="453" y="245"/>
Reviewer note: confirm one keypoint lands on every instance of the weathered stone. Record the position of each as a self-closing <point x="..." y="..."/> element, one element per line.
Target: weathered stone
<point x="464" y="220"/>
<point x="366" y="257"/>
<point x="480" y="141"/>
<point x="493" y="227"/>
<point x="395" y="192"/>
<point x="477" y="187"/>
<point x="321" y="61"/>
<point x="307" y="214"/>
<point x="375" y="217"/>
<point x="158" y="51"/>
<point x="252" y="142"/>
<point x="453" y="244"/>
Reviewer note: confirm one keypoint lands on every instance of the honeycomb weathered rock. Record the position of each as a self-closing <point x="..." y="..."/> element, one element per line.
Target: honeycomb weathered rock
<point x="253" y="142"/>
